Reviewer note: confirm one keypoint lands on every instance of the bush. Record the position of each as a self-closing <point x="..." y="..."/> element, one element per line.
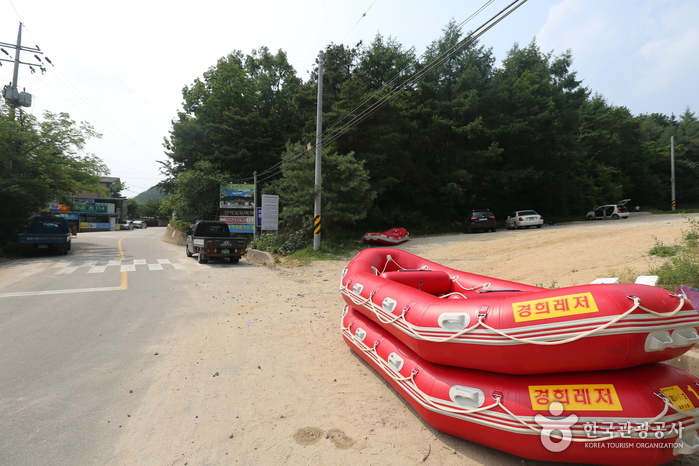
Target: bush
<point x="282" y="244"/>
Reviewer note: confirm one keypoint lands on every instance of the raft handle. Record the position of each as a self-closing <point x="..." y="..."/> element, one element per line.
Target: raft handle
<point x="395" y="361"/>
<point x="466" y="396"/>
<point x="689" y="443"/>
<point x="658" y="341"/>
<point x="684" y="337"/>
<point x="389" y="305"/>
<point x="454" y="321"/>
<point x="360" y="334"/>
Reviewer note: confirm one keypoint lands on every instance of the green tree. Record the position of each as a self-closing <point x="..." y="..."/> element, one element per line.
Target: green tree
<point x="346" y="194"/>
<point x="152" y="208"/>
<point x="534" y="113"/>
<point x="42" y="162"/>
<point x="237" y="117"/>
<point x="196" y="193"/>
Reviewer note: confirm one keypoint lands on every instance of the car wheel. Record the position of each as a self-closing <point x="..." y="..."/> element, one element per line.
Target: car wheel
<point x="186" y="250"/>
<point x="234" y="260"/>
<point x="590" y="217"/>
<point x="615" y="217"/>
<point x="202" y="258"/>
<point x="469" y="230"/>
<point x="538" y="226"/>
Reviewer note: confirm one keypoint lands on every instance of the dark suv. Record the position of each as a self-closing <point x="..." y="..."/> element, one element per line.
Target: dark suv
<point x="480" y="219"/>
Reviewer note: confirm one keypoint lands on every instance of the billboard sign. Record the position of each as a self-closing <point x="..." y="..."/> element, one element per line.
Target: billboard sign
<point x="237" y="196"/>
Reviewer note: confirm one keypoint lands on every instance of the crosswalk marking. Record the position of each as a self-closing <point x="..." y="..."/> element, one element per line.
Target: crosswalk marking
<point x="95" y="266"/>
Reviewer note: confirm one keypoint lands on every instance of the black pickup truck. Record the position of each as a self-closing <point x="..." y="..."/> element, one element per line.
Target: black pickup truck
<point x="212" y="239"/>
<point x="45" y="234"/>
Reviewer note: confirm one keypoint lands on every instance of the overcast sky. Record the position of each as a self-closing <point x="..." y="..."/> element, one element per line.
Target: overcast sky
<point x="122" y="65"/>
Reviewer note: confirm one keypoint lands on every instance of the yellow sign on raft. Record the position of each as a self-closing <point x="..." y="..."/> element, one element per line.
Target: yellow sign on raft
<point x="550" y="308"/>
<point x="678" y="397"/>
<point x="595" y="397"/>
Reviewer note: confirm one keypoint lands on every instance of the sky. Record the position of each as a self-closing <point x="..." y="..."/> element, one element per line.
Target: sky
<point x="122" y="67"/>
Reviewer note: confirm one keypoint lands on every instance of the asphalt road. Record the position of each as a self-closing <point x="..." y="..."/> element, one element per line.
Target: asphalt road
<point x="78" y="336"/>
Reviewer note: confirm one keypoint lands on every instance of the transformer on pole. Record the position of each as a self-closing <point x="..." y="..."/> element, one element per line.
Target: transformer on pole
<point x="11" y="92"/>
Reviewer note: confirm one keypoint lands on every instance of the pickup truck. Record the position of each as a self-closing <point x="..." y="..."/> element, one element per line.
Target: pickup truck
<point x="209" y="238"/>
<point x="45" y="234"/>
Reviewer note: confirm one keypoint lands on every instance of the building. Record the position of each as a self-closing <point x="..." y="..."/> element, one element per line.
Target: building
<point x="94" y="211"/>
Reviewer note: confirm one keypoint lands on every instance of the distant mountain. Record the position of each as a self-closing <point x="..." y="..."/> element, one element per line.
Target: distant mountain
<point x="152" y="193"/>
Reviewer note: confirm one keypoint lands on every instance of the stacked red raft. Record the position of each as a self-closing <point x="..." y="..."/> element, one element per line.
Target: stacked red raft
<point x="526" y="369"/>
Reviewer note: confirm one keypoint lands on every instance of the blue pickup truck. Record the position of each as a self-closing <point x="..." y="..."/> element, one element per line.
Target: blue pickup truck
<point x="45" y="234"/>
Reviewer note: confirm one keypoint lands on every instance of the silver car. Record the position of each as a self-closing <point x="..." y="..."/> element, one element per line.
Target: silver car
<point x="523" y="219"/>
<point x="139" y="224"/>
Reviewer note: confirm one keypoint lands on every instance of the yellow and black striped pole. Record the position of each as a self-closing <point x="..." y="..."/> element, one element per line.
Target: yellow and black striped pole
<point x="316" y="225"/>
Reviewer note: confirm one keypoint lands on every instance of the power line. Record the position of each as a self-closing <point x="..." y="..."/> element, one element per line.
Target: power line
<point x="393" y="93"/>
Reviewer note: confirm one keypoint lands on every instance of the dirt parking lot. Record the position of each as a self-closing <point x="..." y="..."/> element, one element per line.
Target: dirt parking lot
<point x="264" y="377"/>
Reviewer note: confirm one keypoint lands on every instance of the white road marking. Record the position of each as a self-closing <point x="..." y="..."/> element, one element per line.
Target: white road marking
<point x="48" y="292"/>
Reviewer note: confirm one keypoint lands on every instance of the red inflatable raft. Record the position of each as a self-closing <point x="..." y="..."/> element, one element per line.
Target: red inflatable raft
<point x="392" y="236"/>
<point x="641" y="415"/>
<point x="467" y="320"/>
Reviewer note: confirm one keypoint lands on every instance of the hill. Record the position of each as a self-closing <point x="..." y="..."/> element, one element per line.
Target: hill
<point x="152" y="193"/>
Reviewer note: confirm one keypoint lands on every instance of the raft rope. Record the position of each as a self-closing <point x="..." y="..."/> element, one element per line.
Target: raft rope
<point x="368" y="304"/>
<point x="382" y="316"/>
<point x="442" y="405"/>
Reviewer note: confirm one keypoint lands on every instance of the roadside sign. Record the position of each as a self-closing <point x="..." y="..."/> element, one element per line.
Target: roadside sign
<point x="270" y="212"/>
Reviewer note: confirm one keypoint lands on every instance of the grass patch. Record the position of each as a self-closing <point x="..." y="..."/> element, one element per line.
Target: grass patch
<point x="662" y="250"/>
<point x="682" y="264"/>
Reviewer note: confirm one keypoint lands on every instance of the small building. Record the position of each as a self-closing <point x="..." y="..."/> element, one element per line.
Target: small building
<point x="94" y="211"/>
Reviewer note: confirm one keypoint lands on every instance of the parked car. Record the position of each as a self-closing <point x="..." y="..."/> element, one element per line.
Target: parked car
<point x="139" y="224"/>
<point x="523" y="219"/>
<point x="613" y="211"/>
<point x="480" y="219"/>
<point x="126" y="225"/>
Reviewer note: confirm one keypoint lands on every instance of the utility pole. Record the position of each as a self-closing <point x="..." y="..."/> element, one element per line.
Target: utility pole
<point x="319" y="153"/>
<point x="673" y="202"/>
<point x="10" y="92"/>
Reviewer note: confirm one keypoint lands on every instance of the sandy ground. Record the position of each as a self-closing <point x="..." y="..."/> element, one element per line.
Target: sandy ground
<point x="264" y="377"/>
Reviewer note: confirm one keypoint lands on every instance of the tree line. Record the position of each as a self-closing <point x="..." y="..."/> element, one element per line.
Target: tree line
<point x="469" y="134"/>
